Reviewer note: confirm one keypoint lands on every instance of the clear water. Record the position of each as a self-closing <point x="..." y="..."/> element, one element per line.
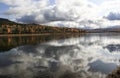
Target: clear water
<point x="86" y="56"/>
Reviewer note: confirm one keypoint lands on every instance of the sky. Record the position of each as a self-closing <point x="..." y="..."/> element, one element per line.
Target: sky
<point x="69" y="13"/>
<point x="3" y="8"/>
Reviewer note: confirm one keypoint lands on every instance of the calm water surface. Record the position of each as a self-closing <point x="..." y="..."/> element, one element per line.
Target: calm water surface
<point x="86" y="56"/>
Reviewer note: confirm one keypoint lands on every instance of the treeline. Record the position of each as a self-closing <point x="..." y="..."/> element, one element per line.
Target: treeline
<point x="10" y="27"/>
<point x="35" y="29"/>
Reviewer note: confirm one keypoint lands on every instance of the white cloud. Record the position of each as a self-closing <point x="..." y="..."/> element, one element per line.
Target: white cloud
<point x="110" y="6"/>
<point x="70" y="13"/>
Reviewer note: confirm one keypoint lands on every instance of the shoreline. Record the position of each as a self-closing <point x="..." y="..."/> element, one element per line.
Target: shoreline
<point x="38" y="34"/>
<point x="48" y="34"/>
<point x="23" y="34"/>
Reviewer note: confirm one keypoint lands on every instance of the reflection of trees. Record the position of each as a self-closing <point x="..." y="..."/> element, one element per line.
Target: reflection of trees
<point x="9" y="42"/>
<point x="114" y="74"/>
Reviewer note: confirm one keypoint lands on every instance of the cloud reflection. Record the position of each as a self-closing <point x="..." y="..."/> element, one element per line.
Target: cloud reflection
<point x="84" y="57"/>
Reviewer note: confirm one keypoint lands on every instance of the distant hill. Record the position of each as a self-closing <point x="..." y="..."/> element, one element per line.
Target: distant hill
<point x="6" y="21"/>
<point x="105" y="30"/>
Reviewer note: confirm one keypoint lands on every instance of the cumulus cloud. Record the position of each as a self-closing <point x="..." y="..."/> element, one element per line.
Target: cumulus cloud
<point x="72" y="13"/>
<point x="113" y="16"/>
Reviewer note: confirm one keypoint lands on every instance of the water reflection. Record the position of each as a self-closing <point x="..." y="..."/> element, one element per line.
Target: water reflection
<point x="9" y="42"/>
<point x="83" y="57"/>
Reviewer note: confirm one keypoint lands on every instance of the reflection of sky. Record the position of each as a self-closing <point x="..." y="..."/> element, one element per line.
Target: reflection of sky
<point x="86" y="56"/>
